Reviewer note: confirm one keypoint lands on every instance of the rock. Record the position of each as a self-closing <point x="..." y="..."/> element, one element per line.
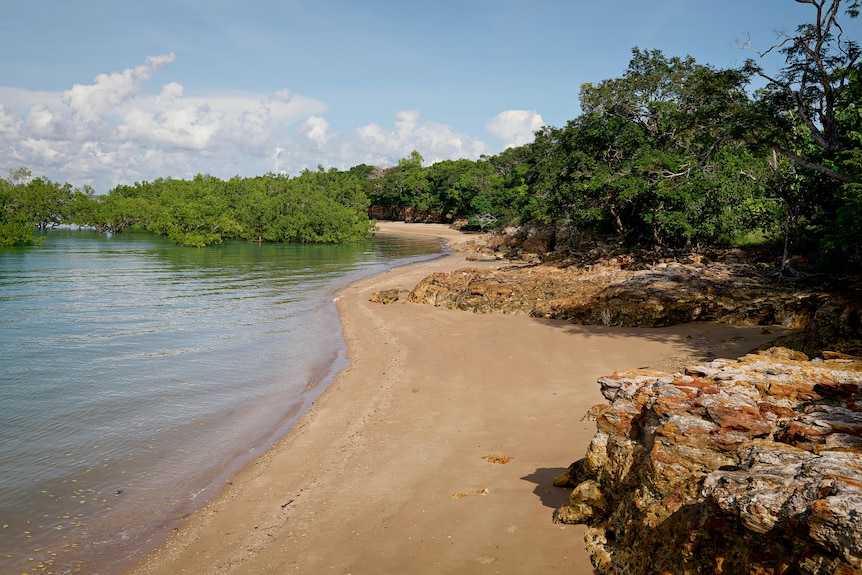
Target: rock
<point x="746" y="466"/>
<point x="836" y="322"/>
<point x="385" y="296"/>
<point x="589" y="281"/>
<point x="609" y="294"/>
<point x="625" y="291"/>
<point x="586" y="502"/>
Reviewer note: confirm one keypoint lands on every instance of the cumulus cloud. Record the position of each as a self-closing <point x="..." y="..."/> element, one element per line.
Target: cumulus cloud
<point x="44" y="151"/>
<point x="181" y="124"/>
<point x="10" y="125"/>
<point x="381" y="146"/>
<point x="315" y="129"/>
<point x="112" y="131"/>
<point x="89" y="103"/>
<point x="515" y="127"/>
<point x="42" y="122"/>
<point x="120" y="129"/>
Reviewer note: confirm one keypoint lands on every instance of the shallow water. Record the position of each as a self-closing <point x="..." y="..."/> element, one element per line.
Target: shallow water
<point x="135" y="375"/>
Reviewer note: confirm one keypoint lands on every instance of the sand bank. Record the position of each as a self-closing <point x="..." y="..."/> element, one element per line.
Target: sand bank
<point x="391" y="470"/>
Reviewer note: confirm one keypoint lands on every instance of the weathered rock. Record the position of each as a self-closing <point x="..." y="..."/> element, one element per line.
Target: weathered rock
<point x="662" y="295"/>
<point x="576" y="277"/>
<point x="837" y="322"/>
<point x="385" y="296"/>
<point x="747" y="466"/>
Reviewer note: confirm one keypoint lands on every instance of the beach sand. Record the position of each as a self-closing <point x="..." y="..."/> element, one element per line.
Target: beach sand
<point x="393" y="469"/>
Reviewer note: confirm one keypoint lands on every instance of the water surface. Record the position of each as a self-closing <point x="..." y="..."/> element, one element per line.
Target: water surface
<point x="135" y="375"/>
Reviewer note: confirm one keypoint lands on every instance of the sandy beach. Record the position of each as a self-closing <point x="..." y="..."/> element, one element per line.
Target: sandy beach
<point x="395" y="467"/>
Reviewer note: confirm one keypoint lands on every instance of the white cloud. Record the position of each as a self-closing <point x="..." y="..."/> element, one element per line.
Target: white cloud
<point x="19" y="101"/>
<point x="112" y="131"/>
<point x="515" y="127"/>
<point x="315" y="128"/>
<point x="10" y="125"/>
<point x="118" y="129"/>
<point x="44" y="151"/>
<point x="171" y="91"/>
<point x="174" y="122"/>
<point x="90" y="103"/>
<point x="41" y="121"/>
<point x="435" y="142"/>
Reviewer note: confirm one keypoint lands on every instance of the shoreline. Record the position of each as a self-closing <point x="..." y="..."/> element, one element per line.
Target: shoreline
<point x="392" y="468"/>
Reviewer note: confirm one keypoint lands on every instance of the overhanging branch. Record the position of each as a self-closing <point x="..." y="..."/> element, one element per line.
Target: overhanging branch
<point x="840" y="176"/>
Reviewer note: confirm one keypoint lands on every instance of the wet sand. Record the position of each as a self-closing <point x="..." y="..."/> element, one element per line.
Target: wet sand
<point x="392" y="469"/>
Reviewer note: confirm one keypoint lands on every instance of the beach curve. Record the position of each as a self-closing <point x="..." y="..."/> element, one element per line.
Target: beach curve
<point x="435" y="450"/>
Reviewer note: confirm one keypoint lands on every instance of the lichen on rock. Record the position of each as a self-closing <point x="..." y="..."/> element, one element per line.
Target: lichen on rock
<point x="745" y="466"/>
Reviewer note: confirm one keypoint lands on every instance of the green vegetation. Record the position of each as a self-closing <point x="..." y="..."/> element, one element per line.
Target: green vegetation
<point x="323" y="206"/>
<point x="673" y="154"/>
<point x="313" y="207"/>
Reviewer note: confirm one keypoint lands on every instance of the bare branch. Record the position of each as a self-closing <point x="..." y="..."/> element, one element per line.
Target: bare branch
<point x="667" y="174"/>
<point x="747" y="45"/>
<point x="804" y="162"/>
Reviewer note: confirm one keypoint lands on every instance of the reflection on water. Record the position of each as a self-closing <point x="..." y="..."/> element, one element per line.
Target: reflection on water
<point x="136" y="375"/>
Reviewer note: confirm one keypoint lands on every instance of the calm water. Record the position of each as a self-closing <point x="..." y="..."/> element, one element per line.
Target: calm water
<point x="135" y="375"/>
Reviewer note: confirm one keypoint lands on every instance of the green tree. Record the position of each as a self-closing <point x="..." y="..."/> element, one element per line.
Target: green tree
<point x="801" y="105"/>
<point x="453" y="184"/>
<point x="643" y="157"/>
<point x="511" y="195"/>
<point x="844" y="238"/>
<point x="307" y="208"/>
<point x="404" y="185"/>
<point x="16" y="227"/>
<point x="192" y="213"/>
<point x="806" y="113"/>
<point x="124" y="206"/>
<point x="45" y="203"/>
<point x="253" y="206"/>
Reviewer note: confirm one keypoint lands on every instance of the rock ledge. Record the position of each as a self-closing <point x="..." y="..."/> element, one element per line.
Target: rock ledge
<point x="745" y="466"/>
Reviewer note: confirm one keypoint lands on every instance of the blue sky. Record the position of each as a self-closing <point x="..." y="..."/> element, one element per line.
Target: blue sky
<point x="102" y="92"/>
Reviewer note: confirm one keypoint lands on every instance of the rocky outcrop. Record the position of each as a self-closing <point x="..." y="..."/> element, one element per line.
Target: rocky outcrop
<point x="746" y="466"/>
<point x="836" y="324"/>
<point x="385" y="296"/>
<point x="663" y="294"/>
<point x="634" y="289"/>
<point x="537" y="243"/>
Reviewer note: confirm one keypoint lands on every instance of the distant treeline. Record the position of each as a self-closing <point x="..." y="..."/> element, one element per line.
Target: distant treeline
<point x="673" y="155"/>
<point x="322" y="206"/>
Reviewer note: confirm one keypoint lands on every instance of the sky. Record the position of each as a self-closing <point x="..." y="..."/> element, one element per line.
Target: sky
<point x="108" y="92"/>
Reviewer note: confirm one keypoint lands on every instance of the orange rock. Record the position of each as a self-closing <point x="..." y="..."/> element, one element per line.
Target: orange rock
<point x="752" y="465"/>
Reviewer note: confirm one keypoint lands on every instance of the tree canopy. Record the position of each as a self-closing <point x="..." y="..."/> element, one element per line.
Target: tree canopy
<point x="322" y="206"/>
<point x="672" y="154"/>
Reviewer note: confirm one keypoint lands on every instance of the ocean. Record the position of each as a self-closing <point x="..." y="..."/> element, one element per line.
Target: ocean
<point x="137" y="375"/>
